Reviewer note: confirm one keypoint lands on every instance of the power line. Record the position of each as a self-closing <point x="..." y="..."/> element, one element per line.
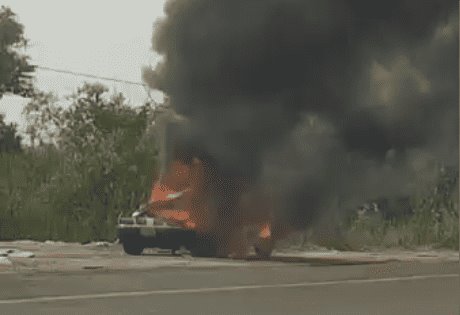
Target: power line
<point x="80" y="74"/>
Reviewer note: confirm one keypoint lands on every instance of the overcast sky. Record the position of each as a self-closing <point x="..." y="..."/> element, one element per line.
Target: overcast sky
<point x="104" y="38"/>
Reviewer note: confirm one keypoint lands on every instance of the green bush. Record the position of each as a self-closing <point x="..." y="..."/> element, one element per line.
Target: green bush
<point x="86" y="165"/>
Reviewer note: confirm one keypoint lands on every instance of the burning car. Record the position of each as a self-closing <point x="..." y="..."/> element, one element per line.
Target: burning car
<point x="183" y="210"/>
<point x="141" y="231"/>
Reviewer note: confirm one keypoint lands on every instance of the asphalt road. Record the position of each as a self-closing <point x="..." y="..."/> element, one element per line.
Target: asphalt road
<point x="400" y="288"/>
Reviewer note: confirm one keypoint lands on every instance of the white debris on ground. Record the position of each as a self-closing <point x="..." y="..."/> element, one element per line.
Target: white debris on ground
<point x="97" y="244"/>
<point x="5" y="261"/>
<point x="15" y="253"/>
<point x="21" y="254"/>
<point x="102" y="244"/>
<point x="57" y="243"/>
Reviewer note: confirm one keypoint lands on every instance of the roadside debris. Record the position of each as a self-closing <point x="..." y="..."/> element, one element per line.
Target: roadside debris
<point x="97" y="244"/>
<point x="15" y="253"/>
<point x="60" y="243"/>
<point x="102" y="244"/>
<point x="5" y="251"/>
<point x="4" y="261"/>
<point x="21" y="254"/>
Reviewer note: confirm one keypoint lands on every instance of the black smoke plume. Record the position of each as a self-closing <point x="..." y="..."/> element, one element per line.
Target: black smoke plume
<point x="326" y="104"/>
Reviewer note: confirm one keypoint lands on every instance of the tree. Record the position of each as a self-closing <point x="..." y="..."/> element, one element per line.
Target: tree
<point x="15" y="70"/>
<point x="9" y="140"/>
<point x="102" y="157"/>
<point x="43" y="117"/>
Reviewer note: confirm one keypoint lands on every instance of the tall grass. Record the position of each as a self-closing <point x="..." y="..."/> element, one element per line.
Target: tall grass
<point x="434" y="222"/>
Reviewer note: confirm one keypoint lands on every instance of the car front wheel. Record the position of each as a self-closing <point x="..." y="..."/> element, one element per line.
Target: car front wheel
<point x="264" y="248"/>
<point x="133" y="245"/>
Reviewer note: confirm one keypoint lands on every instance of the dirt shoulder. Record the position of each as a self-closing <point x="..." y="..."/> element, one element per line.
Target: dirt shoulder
<point x="31" y="256"/>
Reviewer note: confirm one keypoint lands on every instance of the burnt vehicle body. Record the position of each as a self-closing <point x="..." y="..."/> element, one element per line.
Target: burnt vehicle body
<point x="140" y="232"/>
<point x="182" y="211"/>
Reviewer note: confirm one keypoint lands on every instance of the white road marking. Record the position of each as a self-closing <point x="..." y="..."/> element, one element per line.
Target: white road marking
<point x="45" y="299"/>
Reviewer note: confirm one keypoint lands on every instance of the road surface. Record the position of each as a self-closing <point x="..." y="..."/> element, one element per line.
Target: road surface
<point x="229" y="287"/>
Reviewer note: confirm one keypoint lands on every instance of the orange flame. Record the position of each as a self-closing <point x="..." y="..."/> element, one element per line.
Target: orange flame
<point x="266" y="232"/>
<point x="179" y="196"/>
<point x="169" y="203"/>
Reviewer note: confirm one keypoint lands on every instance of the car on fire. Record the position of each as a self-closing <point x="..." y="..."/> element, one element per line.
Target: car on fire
<point x="175" y="232"/>
<point x="181" y="211"/>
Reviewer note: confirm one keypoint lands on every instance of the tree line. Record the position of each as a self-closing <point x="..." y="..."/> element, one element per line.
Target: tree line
<point x="75" y="167"/>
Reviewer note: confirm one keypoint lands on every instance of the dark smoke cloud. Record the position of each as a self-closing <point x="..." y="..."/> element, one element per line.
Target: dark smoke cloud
<point x="325" y="103"/>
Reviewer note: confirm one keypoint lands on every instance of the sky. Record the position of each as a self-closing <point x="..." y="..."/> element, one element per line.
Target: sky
<point x="103" y="38"/>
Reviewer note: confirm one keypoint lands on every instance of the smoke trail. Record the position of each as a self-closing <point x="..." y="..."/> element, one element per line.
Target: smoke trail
<point x="324" y="103"/>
